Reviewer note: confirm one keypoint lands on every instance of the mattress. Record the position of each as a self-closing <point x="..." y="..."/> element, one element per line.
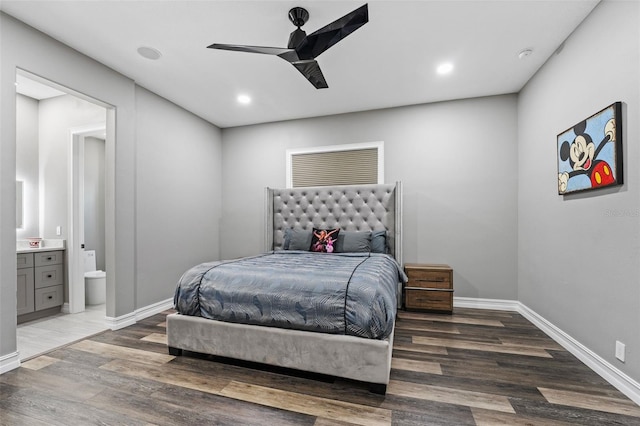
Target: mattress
<point x="337" y="293"/>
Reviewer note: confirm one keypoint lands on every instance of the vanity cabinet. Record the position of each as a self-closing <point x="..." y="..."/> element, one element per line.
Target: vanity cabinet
<point x="25" y="288"/>
<point x="40" y="278"/>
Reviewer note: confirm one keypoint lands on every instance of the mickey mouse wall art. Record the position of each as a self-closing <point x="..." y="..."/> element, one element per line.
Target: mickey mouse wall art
<point x="590" y="153"/>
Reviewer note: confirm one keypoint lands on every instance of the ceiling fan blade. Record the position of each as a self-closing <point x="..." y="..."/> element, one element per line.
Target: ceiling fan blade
<point x="253" y="49"/>
<point x="319" y="41"/>
<point x="311" y="70"/>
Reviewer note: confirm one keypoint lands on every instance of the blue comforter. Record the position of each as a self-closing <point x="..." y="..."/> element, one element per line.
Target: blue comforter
<point x="343" y="293"/>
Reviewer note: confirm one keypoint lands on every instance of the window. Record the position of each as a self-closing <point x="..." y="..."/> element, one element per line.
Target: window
<point x="351" y="164"/>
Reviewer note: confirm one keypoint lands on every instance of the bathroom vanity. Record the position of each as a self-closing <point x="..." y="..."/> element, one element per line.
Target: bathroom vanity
<point x="40" y="281"/>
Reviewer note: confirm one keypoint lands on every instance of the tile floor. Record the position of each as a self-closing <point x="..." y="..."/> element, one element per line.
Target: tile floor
<point x="40" y="336"/>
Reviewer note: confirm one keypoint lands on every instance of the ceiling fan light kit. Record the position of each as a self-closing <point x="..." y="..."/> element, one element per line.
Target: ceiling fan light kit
<point x="303" y="49"/>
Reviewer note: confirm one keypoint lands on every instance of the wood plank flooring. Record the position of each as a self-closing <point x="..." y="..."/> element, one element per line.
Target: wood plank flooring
<point x="474" y="367"/>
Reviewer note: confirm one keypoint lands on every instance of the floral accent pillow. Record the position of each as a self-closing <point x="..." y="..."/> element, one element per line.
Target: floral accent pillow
<point x="324" y="240"/>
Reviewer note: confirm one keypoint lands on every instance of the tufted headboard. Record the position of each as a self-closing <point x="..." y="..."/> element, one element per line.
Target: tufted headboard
<point x="351" y="208"/>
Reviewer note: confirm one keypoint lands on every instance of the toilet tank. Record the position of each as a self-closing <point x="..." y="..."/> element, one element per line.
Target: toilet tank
<point x="89" y="260"/>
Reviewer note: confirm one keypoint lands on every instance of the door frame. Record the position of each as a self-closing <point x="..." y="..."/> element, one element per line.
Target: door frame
<point x="75" y="220"/>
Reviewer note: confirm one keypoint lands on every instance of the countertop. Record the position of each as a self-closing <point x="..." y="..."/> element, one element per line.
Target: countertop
<point x="22" y="246"/>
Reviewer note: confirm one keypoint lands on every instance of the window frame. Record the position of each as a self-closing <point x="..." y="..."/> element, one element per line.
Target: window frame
<point x="379" y="145"/>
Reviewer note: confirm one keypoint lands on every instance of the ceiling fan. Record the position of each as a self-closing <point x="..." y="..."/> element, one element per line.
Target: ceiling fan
<point x="302" y="48"/>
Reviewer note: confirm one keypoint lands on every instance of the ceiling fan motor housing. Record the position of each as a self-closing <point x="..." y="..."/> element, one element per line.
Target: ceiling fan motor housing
<point x="298" y="16"/>
<point x="296" y="37"/>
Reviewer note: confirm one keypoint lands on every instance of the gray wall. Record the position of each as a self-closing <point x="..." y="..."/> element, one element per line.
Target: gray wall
<point x="578" y="254"/>
<point x="178" y="194"/>
<point x="23" y="47"/>
<point x="27" y="164"/>
<point x="94" y="197"/>
<point x="458" y="164"/>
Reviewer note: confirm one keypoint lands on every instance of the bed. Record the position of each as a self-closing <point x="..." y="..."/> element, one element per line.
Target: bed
<point x="327" y="330"/>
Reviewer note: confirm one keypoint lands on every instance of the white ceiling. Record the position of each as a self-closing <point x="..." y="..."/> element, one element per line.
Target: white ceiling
<point x="388" y="62"/>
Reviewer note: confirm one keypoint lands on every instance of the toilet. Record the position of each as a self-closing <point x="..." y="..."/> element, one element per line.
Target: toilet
<point x="95" y="282"/>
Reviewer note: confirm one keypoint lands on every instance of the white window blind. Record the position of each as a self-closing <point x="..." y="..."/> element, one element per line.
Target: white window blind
<point x="340" y="165"/>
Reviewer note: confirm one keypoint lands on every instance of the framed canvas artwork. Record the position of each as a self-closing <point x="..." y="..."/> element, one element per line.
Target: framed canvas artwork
<point x="590" y="152"/>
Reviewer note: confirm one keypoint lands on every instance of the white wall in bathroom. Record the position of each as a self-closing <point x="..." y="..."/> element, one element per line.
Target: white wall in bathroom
<point x="94" y="197"/>
<point x="57" y="116"/>
<point x="42" y="140"/>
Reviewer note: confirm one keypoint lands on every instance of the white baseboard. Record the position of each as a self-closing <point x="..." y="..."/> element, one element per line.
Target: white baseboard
<point x="153" y="309"/>
<point x="9" y="362"/>
<point x="493" y="304"/>
<point x="617" y="378"/>
<point x="116" y="323"/>
<point x="606" y="370"/>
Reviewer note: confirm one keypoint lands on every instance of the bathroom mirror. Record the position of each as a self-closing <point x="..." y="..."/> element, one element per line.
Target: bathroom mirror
<point x="19" y="206"/>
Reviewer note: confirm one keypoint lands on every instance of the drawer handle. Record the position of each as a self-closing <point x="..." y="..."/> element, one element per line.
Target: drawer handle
<point x="431" y="280"/>
<point x="49" y="276"/>
<point x="50" y="297"/>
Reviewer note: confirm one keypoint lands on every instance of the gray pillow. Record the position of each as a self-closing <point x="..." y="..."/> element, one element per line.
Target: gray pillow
<point x="296" y="239"/>
<point x="348" y="241"/>
<point x="379" y="242"/>
<point x="354" y="242"/>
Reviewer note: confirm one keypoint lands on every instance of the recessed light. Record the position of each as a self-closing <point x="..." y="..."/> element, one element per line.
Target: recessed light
<point x="445" y="68"/>
<point x="525" y="53"/>
<point x="149" y="52"/>
<point x="244" y="99"/>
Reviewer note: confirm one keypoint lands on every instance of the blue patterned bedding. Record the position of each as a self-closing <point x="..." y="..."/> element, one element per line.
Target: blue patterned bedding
<point x="337" y="293"/>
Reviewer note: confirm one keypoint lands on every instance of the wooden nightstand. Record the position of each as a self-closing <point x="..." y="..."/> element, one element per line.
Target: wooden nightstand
<point x="430" y="287"/>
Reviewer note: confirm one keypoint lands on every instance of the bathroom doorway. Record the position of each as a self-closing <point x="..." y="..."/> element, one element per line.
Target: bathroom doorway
<point x="87" y="212"/>
<point x="53" y="165"/>
<point x="51" y="131"/>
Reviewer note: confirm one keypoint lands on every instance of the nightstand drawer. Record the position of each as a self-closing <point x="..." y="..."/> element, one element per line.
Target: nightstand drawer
<point x="429" y="288"/>
<point x="428" y="279"/>
<point x="432" y="300"/>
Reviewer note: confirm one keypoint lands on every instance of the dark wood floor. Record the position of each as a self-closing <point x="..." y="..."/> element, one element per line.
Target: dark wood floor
<point x="475" y="367"/>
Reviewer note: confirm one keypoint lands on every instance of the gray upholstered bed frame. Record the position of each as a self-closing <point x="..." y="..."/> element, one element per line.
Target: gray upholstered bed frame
<point x="352" y="208"/>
